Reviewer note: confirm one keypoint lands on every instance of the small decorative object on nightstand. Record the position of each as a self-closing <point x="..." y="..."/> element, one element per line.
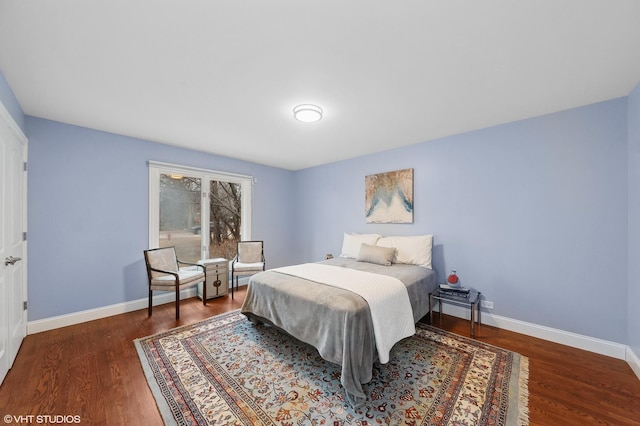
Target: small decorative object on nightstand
<point x="328" y="256"/>
<point x="453" y="278"/>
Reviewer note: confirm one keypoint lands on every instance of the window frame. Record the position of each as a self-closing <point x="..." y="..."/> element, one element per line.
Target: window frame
<point x="157" y="168"/>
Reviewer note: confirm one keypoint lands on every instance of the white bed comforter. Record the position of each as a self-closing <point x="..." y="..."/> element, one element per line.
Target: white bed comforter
<point x="391" y="312"/>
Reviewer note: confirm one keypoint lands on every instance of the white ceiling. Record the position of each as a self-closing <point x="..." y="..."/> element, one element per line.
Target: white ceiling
<point x="223" y="76"/>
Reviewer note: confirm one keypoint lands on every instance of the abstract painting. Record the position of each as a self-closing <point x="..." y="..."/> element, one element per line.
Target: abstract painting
<point x="389" y="197"/>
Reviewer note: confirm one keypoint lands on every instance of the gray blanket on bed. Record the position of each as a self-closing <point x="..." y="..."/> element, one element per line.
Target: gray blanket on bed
<point x="336" y="322"/>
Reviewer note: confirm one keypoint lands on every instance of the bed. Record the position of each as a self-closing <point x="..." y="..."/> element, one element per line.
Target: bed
<point x="337" y="321"/>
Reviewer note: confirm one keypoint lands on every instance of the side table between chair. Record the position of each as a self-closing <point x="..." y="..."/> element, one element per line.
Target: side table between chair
<point x="217" y="278"/>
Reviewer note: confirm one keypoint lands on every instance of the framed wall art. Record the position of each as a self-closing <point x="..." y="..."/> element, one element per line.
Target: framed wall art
<point x="389" y="197"/>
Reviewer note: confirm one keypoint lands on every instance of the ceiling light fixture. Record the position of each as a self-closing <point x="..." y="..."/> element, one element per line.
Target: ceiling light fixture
<point x="307" y="113"/>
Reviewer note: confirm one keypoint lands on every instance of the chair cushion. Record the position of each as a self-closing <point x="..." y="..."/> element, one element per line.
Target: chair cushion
<point x="240" y="269"/>
<point x="186" y="277"/>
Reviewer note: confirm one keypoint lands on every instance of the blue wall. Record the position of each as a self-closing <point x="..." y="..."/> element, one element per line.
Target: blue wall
<point x="532" y="213"/>
<point x="634" y="220"/>
<point x="88" y="214"/>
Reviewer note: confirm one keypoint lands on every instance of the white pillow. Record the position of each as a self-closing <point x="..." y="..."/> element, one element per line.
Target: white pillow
<point x="352" y="242"/>
<point x="413" y="250"/>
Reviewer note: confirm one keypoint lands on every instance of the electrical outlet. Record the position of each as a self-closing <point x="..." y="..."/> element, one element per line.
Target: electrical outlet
<point x="486" y="304"/>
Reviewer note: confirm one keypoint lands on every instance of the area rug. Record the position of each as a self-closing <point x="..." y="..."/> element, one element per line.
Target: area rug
<point x="227" y="371"/>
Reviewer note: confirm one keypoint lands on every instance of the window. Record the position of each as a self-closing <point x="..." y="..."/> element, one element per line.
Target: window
<point x="203" y="213"/>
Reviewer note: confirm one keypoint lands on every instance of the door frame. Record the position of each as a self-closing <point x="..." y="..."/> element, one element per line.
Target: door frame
<point x="6" y="117"/>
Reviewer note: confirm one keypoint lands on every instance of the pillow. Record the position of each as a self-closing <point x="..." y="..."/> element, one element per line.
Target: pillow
<point x="376" y="254"/>
<point x="414" y="250"/>
<point x="352" y="242"/>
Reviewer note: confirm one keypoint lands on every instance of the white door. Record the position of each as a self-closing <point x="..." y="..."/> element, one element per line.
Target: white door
<point x="13" y="316"/>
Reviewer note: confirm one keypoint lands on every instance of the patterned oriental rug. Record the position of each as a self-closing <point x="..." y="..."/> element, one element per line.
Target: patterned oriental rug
<point x="226" y="371"/>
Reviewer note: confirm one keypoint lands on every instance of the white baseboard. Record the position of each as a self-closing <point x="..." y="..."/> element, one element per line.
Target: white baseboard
<point x="634" y="361"/>
<point x="103" y="312"/>
<point x="591" y="344"/>
<point x="51" y="323"/>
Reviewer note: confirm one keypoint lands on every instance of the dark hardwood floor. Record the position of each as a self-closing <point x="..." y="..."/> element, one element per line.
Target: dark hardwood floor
<point x="92" y="370"/>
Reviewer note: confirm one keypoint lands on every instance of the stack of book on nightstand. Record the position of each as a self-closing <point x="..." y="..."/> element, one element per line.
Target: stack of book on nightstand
<point x="454" y="290"/>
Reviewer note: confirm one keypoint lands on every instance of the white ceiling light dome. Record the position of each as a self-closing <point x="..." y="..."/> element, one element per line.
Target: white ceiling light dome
<point x="307" y="113"/>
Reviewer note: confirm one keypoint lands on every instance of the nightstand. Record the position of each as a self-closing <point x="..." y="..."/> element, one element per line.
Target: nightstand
<point x="470" y="300"/>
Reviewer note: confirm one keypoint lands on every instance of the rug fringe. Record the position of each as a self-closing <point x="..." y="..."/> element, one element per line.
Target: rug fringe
<point x="523" y="400"/>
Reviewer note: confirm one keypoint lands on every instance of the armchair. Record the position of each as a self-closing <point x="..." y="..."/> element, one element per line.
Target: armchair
<point x="248" y="261"/>
<point x="165" y="274"/>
